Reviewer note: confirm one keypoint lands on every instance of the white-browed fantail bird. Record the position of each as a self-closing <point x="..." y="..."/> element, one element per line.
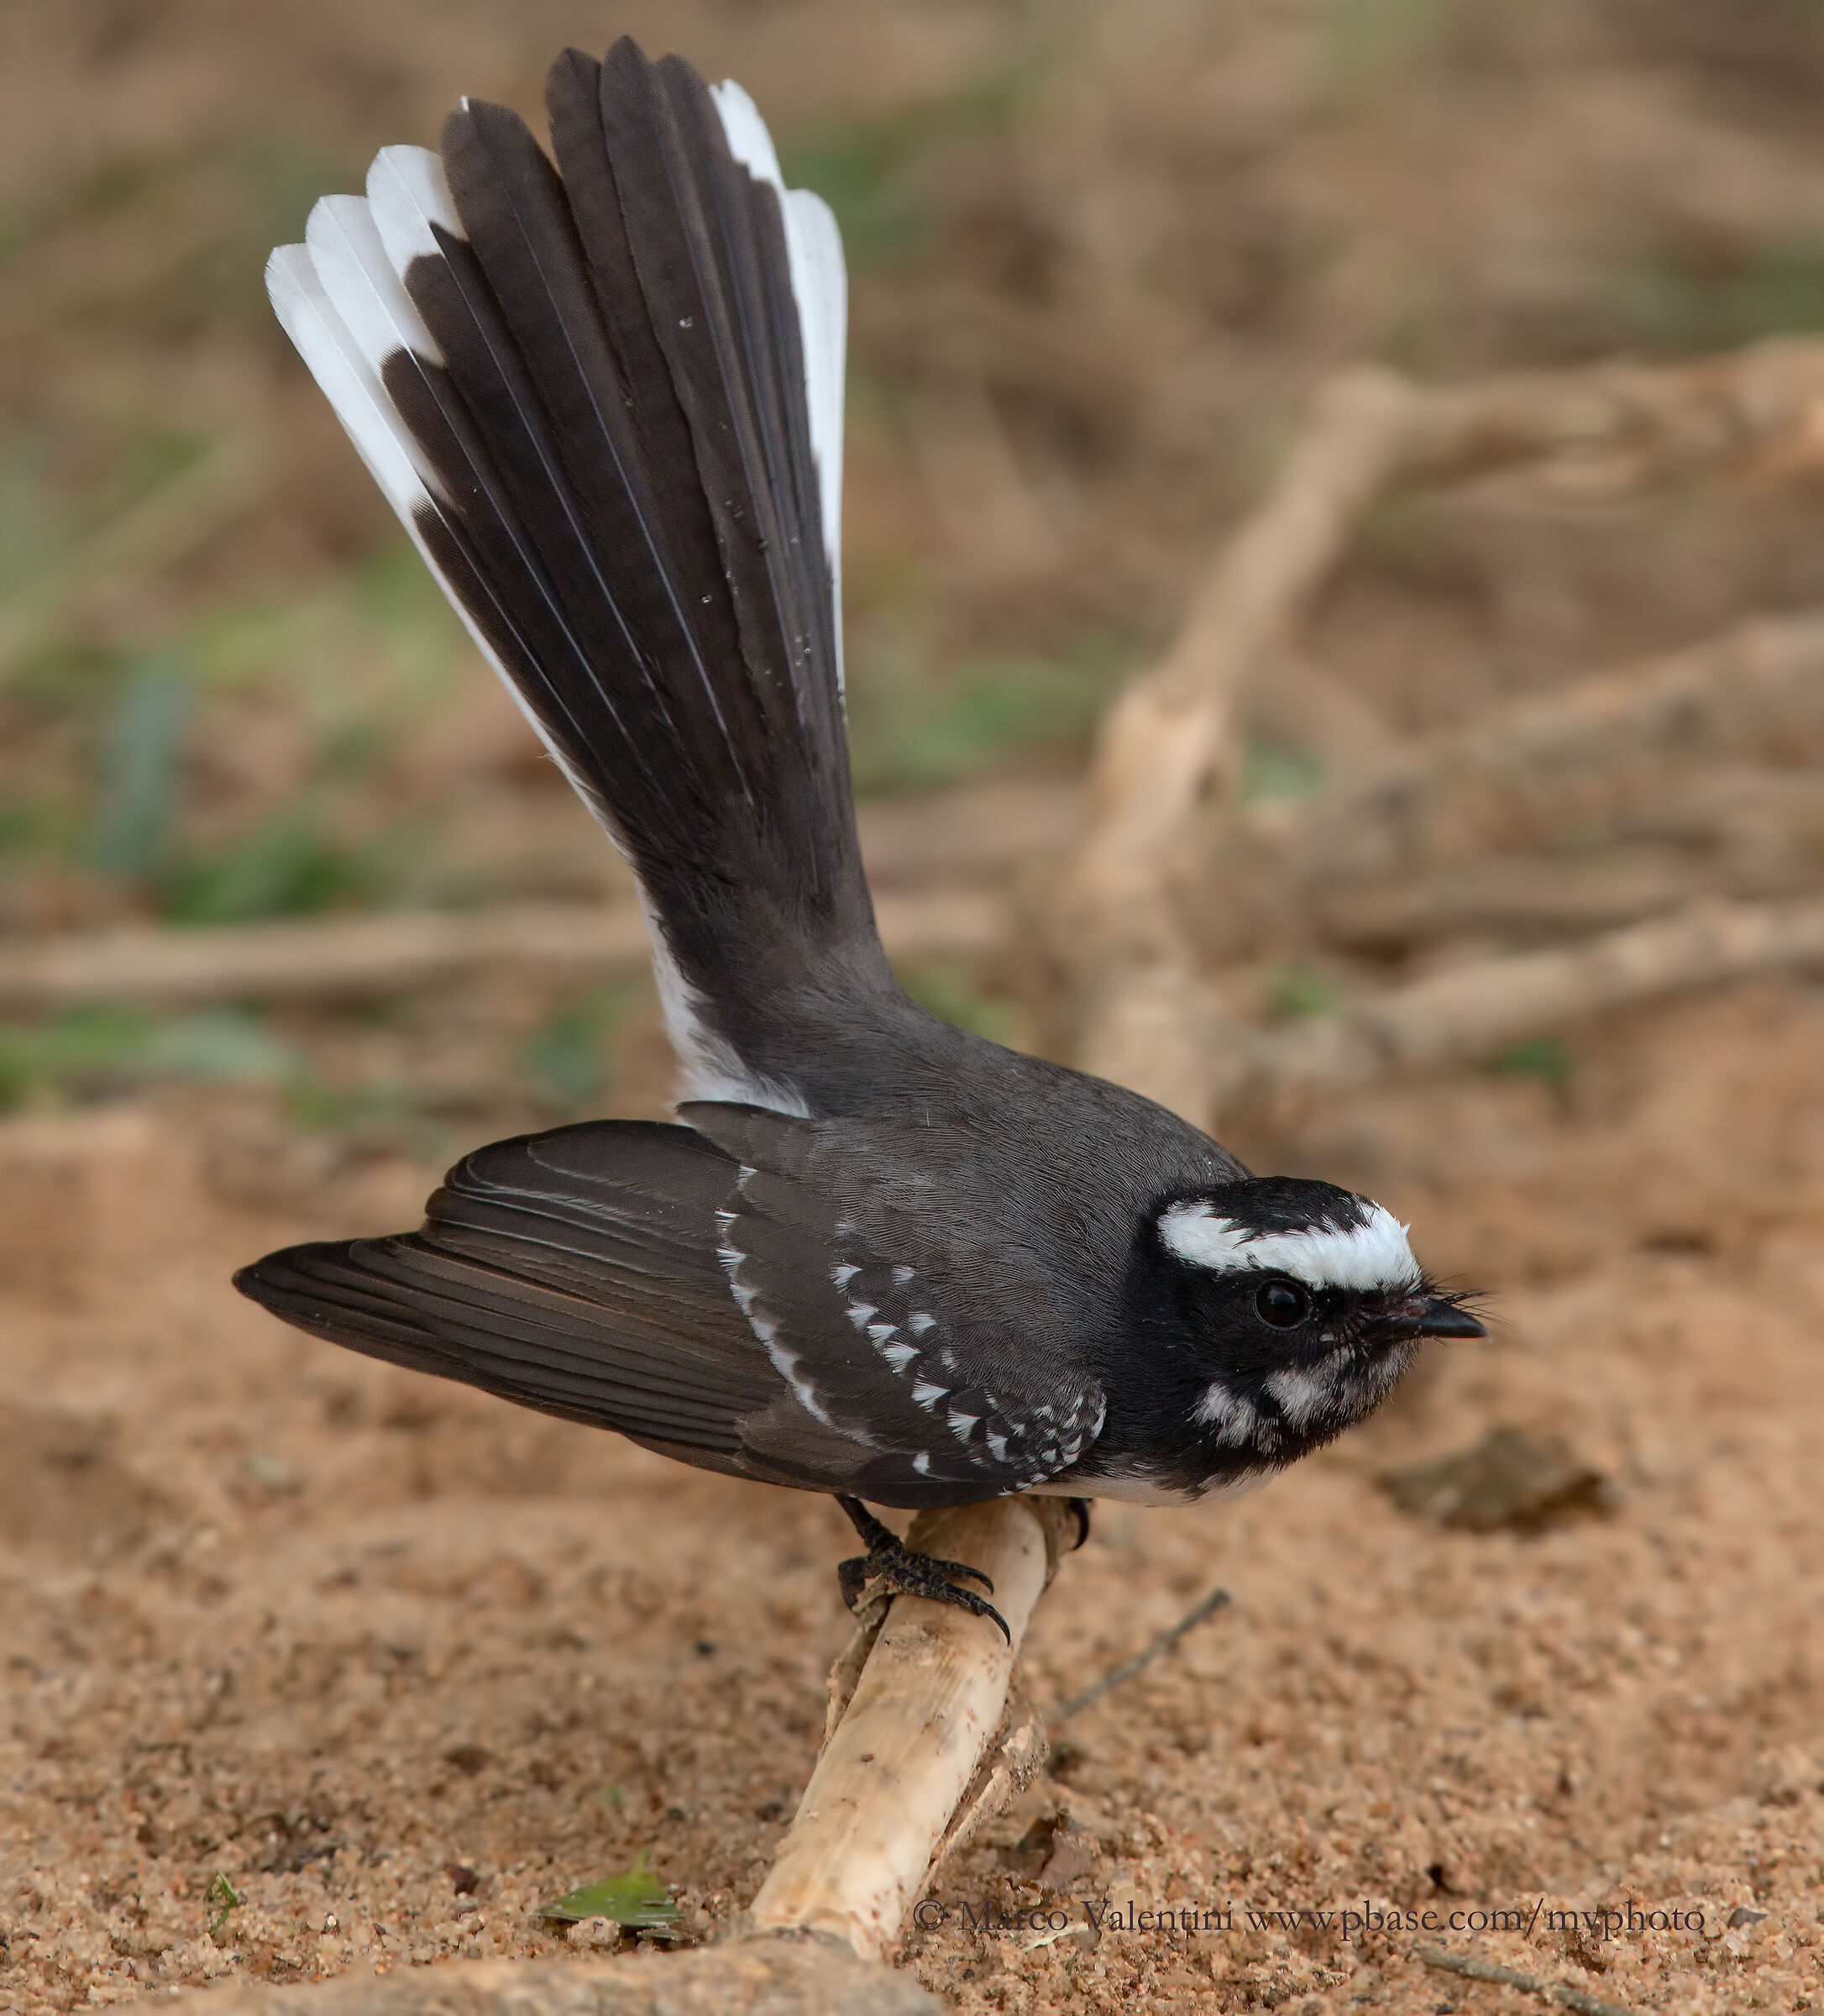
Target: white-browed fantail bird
<point x="877" y="1256"/>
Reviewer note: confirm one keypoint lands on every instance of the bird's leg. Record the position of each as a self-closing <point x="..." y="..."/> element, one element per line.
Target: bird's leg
<point x="891" y="1563"/>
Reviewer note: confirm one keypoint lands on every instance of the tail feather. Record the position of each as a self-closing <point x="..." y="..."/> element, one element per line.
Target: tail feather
<point x="339" y="298"/>
<point x="820" y="284"/>
<point x="595" y="693"/>
<point x="708" y="250"/>
<point x="606" y="399"/>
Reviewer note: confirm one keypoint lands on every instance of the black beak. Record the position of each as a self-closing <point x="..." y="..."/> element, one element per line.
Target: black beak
<point x="1436" y="1317"/>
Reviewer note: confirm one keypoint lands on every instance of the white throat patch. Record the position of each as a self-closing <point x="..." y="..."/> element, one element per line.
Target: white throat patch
<point x="1373" y="1255"/>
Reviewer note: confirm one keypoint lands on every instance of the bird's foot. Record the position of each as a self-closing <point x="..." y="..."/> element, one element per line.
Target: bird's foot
<point x="1081" y="1506"/>
<point x="902" y="1572"/>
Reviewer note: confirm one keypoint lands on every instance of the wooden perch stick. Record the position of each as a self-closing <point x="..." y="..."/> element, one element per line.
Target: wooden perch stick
<point x="898" y="1762"/>
<point x="391" y="952"/>
<point x="1476" y="1009"/>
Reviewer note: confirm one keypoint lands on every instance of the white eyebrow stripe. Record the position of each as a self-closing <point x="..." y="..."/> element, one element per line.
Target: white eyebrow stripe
<point x="1372" y="1255"/>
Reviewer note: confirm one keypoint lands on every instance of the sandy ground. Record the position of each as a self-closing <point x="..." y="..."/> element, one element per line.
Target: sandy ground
<point x="400" y="1663"/>
<point x="392" y="1664"/>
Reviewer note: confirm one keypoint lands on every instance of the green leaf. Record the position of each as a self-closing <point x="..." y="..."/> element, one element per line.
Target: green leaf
<point x="1294" y="993"/>
<point x="141" y="755"/>
<point x="569" y="1057"/>
<point x="1278" y="770"/>
<point x="286" y="867"/>
<point x="222" y="1894"/>
<point x="637" y="1899"/>
<point x="1539" y="1057"/>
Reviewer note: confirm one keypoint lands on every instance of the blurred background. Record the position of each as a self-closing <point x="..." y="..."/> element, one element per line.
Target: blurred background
<point x="283" y="1621"/>
<point x="1099" y="259"/>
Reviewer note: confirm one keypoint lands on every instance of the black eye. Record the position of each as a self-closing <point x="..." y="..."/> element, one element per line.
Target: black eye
<point x="1282" y="1303"/>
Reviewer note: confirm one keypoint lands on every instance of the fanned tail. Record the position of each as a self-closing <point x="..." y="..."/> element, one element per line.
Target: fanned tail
<point x="606" y="399"/>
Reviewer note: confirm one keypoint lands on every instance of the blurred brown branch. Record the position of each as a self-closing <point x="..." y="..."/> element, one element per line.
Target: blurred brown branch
<point x="1474" y="1009"/>
<point x="1166" y="751"/>
<point x="393" y="951"/>
<point x="1528" y="773"/>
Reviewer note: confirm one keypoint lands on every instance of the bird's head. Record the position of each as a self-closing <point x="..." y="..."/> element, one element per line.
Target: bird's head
<point x="1280" y="1312"/>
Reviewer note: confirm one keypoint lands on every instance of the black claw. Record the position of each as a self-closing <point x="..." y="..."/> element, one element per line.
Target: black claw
<point x="1079" y="1506"/>
<point x="852" y="1578"/>
<point x="904" y="1572"/>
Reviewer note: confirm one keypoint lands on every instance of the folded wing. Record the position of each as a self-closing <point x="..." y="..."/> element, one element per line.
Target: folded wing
<point x="721" y="1310"/>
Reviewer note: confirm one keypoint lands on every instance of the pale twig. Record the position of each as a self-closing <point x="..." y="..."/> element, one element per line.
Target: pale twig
<point x="1217" y="1599"/>
<point x="1561" y="1992"/>
<point x="900" y="1760"/>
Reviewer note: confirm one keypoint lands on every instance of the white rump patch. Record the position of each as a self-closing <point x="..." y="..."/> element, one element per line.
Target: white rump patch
<point x="709" y="1067"/>
<point x="1373" y="1255"/>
